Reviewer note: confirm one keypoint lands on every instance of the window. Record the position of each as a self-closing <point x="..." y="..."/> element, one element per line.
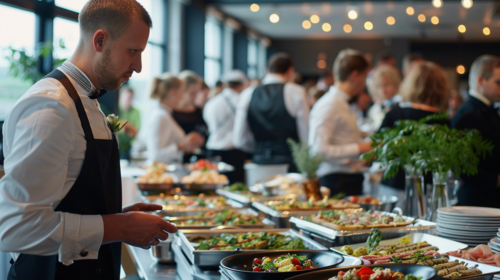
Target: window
<point x="20" y="38"/>
<point x="262" y="60"/>
<point x="253" y="60"/>
<point x="68" y="32"/>
<point x="213" y="51"/>
<point x="72" y="5"/>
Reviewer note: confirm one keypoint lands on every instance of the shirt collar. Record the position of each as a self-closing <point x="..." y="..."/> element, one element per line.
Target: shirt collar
<point x="79" y="78"/>
<point x="272" y="78"/>
<point x="335" y="91"/>
<point x="479" y="96"/>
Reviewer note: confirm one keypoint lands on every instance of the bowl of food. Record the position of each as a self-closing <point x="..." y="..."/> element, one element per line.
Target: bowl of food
<point x="204" y="180"/>
<point x="381" y="203"/>
<point x="366" y="272"/>
<point x="280" y="264"/>
<point x="155" y="179"/>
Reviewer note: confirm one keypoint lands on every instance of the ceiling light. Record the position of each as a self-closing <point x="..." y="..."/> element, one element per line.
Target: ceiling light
<point x="410" y="11"/>
<point x="461" y="28"/>
<point x="486" y="31"/>
<point x="437" y="3"/>
<point x="352" y="14"/>
<point x="254" y="8"/>
<point x="321" y="64"/>
<point x="434" y="20"/>
<point x="306" y="24"/>
<point x="347" y="28"/>
<point x="391" y="20"/>
<point x="421" y="17"/>
<point x="368" y="25"/>
<point x="326" y="27"/>
<point x="314" y="19"/>
<point x="460" y="69"/>
<point x="467" y="4"/>
<point x="274" y="18"/>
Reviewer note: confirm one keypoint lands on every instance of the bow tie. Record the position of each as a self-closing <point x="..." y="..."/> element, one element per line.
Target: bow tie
<point x="99" y="94"/>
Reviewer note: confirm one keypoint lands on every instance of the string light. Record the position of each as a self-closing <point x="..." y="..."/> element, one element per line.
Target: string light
<point x="254" y="8"/>
<point x="274" y="18"/>
<point x="391" y="20"/>
<point x="421" y="17"/>
<point x="461" y="28"/>
<point x="326" y="27"/>
<point x="352" y="14"/>
<point x="437" y="3"/>
<point x="347" y="28"/>
<point x="435" y="20"/>
<point x="368" y="25"/>
<point x="486" y="31"/>
<point x="314" y="19"/>
<point x="467" y="4"/>
<point x="410" y="11"/>
<point x="306" y="24"/>
<point x="321" y="64"/>
<point x="460" y="69"/>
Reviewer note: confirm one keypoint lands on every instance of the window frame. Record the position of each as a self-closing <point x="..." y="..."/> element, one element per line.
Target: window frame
<point x="220" y="59"/>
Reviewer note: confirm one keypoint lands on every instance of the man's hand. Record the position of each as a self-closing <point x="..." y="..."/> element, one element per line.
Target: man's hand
<point x="141" y="206"/>
<point x="364" y="147"/>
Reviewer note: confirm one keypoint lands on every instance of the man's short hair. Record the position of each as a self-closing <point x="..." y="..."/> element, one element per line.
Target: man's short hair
<point x="112" y="16"/>
<point x="483" y="66"/>
<point x="279" y="63"/>
<point x="348" y="61"/>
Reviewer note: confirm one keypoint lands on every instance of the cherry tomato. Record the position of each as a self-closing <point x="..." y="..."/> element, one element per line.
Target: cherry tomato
<point x="341" y="273"/>
<point x="298" y="267"/>
<point x="353" y="199"/>
<point x="308" y="267"/>
<point x="368" y="200"/>
<point x="295" y="261"/>
<point x="257" y="269"/>
<point x="257" y="261"/>
<point x="365" y="277"/>
<point x="365" y="271"/>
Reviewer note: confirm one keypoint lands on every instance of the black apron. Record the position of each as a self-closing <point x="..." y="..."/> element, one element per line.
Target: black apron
<point x="97" y="191"/>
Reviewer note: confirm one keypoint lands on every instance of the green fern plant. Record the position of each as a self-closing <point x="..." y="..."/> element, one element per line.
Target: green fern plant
<point x="303" y="158"/>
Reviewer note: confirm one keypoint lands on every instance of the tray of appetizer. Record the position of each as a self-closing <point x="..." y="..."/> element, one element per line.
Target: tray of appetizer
<point x="372" y="272"/>
<point x="204" y="164"/>
<point x="208" y="248"/>
<point x="241" y="193"/>
<point x="279" y="185"/>
<point x="280" y="264"/>
<point x="203" y="180"/>
<point x="381" y="203"/>
<point x="355" y="219"/>
<point x="156" y="179"/>
<point x="179" y="205"/>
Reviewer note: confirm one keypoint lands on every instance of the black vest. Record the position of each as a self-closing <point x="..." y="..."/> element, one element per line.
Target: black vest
<point x="271" y="125"/>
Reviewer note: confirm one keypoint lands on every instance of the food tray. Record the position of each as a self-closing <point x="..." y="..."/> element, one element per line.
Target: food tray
<point x="162" y="198"/>
<point x="188" y="271"/>
<point x="444" y="245"/>
<point x="486" y="269"/>
<point x="174" y="209"/>
<point x="359" y="236"/>
<point x="248" y="201"/>
<point x="213" y="258"/>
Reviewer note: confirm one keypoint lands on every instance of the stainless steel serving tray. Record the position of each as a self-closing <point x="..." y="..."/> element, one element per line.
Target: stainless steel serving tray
<point x="189" y="271"/>
<point x="181" y="211"/>
<point x="359" y="236"/>
<point x="213" y="258"/>
<point x="485" y="268"/>
<point x="444" y="245"/>
<point x="248" y="201"/>
<point x="164" y="198"/>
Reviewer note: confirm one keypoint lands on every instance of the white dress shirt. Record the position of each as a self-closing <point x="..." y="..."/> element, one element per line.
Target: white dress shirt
<point x="44" y="146"/>
<point x="295" y="103"/>
<point x="334" y="133"/>
<point x="159" y="135"/>
<point x="219" y="115"/>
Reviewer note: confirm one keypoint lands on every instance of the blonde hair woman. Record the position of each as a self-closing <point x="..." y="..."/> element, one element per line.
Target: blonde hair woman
<point x="424" y="91"/>
<point x="161" y="136"/>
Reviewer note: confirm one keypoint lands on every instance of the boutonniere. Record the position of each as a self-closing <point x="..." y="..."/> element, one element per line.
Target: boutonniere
<point x="114" y="123"/>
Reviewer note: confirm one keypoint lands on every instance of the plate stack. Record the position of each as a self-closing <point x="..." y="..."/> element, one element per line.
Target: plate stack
<point x="495" y="243"/>
<point x="469" y="225"/>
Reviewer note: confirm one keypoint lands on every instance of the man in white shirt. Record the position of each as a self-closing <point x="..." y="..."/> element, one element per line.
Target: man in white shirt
<point x="219" y="113"/>
<point x="61" y="213"/>
<point x="333" y="130"/>
<point x="270" y="114"/>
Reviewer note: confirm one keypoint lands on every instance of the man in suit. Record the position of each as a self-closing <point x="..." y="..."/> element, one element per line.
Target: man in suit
<point x="478" y="113"/>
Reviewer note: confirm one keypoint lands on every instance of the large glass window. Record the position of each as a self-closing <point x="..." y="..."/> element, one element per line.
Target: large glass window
<point x="253" y="58"/>
<point x="72" y="5"/>
<point x="68" y="32"/>
<point x="213" y="51"/>
<point x="22" y="37"/>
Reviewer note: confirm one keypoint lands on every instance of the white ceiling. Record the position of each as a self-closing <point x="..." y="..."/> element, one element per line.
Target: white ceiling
<point x="451" y="15"/>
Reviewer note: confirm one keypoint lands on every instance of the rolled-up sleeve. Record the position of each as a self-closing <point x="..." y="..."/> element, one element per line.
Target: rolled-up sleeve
<point x="39" y="138"/>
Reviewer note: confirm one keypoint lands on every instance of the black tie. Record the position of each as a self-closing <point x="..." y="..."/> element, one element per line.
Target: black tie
<point x="99" y="94"/>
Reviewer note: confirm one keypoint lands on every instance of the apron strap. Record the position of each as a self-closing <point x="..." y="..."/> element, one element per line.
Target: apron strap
<point x="61" y="77"/>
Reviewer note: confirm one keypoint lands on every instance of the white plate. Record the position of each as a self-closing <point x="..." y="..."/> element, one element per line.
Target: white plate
<point x="495" y="241"/>
<point x="471" y="212"/>
<point x="493" y="246"/>
<point x="465" y="234"/>
<point x="465" y="239"/>
<point x="475" y="222"/>
<point x="454" y="219"/>
<point x="468" y="227"/>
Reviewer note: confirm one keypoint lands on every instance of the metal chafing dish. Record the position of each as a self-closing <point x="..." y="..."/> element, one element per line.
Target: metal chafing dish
<point x="213" y="258"/>
<point x="338" y="238"/>
<point x="189" y="271"/>
<point x="282" y="218"/>
<point x="170" y="207"/>
<point x="247" y="201"/>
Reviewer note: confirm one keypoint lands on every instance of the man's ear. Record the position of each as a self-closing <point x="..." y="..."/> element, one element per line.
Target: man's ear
<point x="99" y="40"/>
<point x="480" y="81"/>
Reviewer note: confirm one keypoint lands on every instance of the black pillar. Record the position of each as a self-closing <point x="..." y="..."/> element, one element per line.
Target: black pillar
<point x="194" y="39"/>
<point x="240" y="51"/>
<point x="44" y="10"/>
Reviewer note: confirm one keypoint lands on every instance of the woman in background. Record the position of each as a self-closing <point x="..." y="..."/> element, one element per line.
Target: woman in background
<point x="161" y="136"/>
<point x="424" y="91"/>
<point x="187" y="115"/>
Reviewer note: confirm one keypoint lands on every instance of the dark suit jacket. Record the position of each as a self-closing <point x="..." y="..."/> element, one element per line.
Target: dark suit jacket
<point x="481" y="189"/>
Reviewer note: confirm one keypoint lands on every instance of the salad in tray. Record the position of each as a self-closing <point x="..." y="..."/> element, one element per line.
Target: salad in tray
<point x="354" y="219"/>
<point x="283" y="263"/>
<point x="218" y="218"/>
<point x="197" y="202"/>
<point x="247" y="241"/>
<point x="376" y="273"/>
<point x="311" y="204"/>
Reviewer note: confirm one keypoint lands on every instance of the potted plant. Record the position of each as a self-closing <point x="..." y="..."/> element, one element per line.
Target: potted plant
<point x="307" y="164"/>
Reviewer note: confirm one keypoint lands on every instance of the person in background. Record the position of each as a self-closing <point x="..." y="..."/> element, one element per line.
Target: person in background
<point x="334" y="130"/>
<point x="128" y="114"/>
<point x="267" y="116"/>
<point x="455" y="102"/>
<point x="255" y="83"/>
<point x="478" y="113"/>
<point x="219" y="115"/>
<point x="383" y="87"/>
<point x="410" y="60"/>
<point x="386" y="59"/>
<point x="187" y="115"/>
<point x="161" y="136"/>
<point x="360" y="106"/>
<point x="219" y="86"/>
<point x="313" y="95"/>
<point x="424" y="91"/>
<point x="297" y="78"/>
<point x="202" y="96"/>
<point x="325" y="82"/>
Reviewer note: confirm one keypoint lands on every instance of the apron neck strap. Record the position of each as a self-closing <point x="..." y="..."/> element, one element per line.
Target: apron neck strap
<point x="61" y="77"/>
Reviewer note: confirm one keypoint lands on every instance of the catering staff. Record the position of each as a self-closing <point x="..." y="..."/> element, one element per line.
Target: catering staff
<point x="478" y="113"/>
<point x="219" y="115"/>
<point x="270" y="114"/>
<point x="61" y="211"/>
<point x="161" y="136"/>
<point x="333" y="127"/>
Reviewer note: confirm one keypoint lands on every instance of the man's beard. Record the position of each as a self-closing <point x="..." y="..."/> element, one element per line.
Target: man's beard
<point x="104" y="73"/>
